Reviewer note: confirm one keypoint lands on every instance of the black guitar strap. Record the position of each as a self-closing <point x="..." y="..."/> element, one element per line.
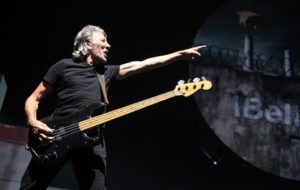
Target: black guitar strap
<point x="101" y="79"/>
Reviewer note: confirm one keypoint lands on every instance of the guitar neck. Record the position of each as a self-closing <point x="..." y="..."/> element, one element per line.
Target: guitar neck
<point x="103" y="118"/>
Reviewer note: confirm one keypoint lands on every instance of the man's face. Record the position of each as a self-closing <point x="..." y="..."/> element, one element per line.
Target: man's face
<point x="100" y="47"/>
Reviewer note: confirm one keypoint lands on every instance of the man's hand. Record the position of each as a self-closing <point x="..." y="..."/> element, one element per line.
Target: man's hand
<point x="44" y="133"/>
<point x="192" y="53"/>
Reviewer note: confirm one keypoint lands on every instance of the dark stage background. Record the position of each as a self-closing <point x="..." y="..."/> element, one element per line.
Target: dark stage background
<point x="166" y="146"/>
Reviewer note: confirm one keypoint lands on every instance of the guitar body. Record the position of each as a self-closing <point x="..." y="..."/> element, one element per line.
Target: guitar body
<point x="67" y="136"/>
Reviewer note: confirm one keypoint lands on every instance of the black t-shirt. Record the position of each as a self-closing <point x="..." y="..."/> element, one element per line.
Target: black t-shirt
<point x="77" y="85"/>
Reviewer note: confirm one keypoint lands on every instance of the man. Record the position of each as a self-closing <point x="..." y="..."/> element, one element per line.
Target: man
<point x="75" y="82"/>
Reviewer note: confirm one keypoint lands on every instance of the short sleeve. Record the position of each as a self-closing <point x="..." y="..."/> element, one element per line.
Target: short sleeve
<point x="54" y="73"/>
<point x="112" y="72"/>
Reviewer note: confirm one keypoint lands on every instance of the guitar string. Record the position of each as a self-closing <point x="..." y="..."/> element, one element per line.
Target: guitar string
<point x="73" y="128"/>
<point x="95" y="121"/>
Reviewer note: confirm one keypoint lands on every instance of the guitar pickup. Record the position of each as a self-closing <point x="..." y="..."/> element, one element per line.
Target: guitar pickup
<point x="58" y="133"/>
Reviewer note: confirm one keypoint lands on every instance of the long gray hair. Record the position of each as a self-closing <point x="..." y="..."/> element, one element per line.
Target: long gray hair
<point x="86" y="33"/>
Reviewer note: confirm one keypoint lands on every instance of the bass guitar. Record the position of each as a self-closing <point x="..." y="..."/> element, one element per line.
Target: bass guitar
<point x="77" y="130"/>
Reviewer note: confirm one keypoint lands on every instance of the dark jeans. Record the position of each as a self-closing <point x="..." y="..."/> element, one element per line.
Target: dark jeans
<point x="89" y="166"/>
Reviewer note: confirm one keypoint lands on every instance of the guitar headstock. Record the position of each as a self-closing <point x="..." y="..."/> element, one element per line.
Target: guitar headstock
<point x="189" y="88"/>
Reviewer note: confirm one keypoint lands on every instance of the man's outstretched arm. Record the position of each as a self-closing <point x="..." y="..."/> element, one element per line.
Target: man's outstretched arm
<point x="135" y="67"/>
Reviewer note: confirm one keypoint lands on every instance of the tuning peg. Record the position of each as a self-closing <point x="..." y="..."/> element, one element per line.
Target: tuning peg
<point x="196" y="79"/>
<point x="181" y="82"/>
<point x="189" y="80"/>
<point x="203" y="78"/>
